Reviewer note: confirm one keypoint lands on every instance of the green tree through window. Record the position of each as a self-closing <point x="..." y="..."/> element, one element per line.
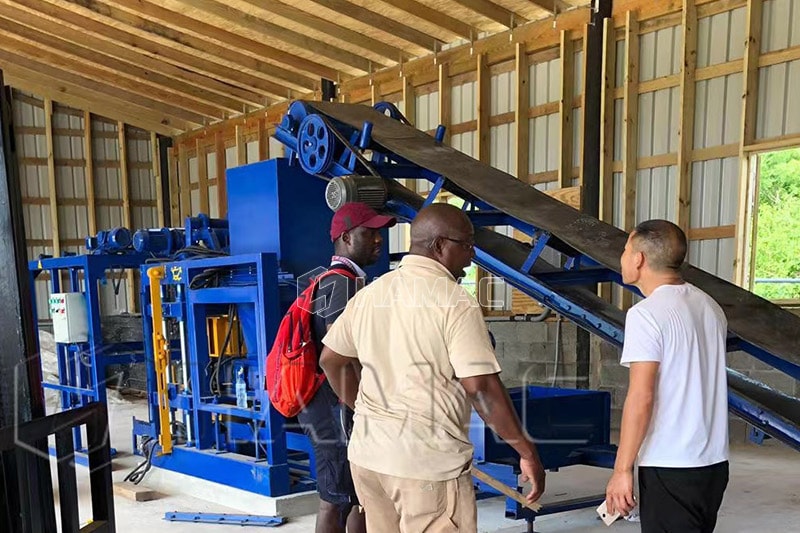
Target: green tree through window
<point x="778" y="229"/>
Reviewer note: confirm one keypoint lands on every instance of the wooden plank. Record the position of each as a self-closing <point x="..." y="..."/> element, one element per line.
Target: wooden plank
<point x="222" y="183"/>
<point x="135" y="493"/>
<point x="442" y="20"/>
<point x="318" y="23"/>
<point x="607" y="119"/>
<point x="502" y="118"/>
<point x="744" y="225"/>
<point x="630" y="138"/>
<point x="51" y="178"/>
<point x="483" y="101"/>
<point x="86" y="61"/>
<point x="31" y="80"/>
<point x="544" y="109"/>
<point x="774" y="143"/>
<point x="565" y="111"/>
<point x="656" y="84"/>
<point x="493" y="12"/>
<point x="202" y="176"/>
<point x="445" y="101"/>
<point x="374" y="94"/>
<point x="222" y="15"/>
<point x="409" y="101"/>
<point x="779" y="56"/>
<point x="66" y="29"/>
<point x="422" y="43"/>
<point x="656" y="161"/>
<point x="718" y="232"/>
<point x="521" y="120"/>
<point x="631" y="122"/>
<point x="718" y="70"/>
<point x="263" y="140"/>
<point x="88" y="154"/>
<point x="505" y="489"/>
<point x="155" y="160"/>
<point x="175" y="192"/>
<point x="715" y="152"/>
<point x="241" y="147"/>
<point x="714" y="7"/>
<point x="464" y="127"/>
<point x="79" y="73"/>
<point x="127" y="215"/>
<point x="183" y="179"/>
<point x="687" y="106"/>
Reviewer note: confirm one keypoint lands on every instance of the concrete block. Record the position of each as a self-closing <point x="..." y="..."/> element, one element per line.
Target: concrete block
<point x="533" y="332"/>
<point x="759" y="365"/>
<point x="616" y="418"/>
<point x="531" y="373"/>
<point x="569" y="353"/>
<point x="569" y="333"/>
<point x="613" y="375"/>
<point x="517" y="351"/>
<point x="543" y="351"/>
<point x="503" y="331"/>
<point x="609" y="352"/>
<point x="566" y="375"/>
<point x="775" y="379"/>
<point x="499" y="351"/>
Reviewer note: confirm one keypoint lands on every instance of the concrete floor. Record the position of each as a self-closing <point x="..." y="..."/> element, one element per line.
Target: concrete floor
<point x="763" y="495"/>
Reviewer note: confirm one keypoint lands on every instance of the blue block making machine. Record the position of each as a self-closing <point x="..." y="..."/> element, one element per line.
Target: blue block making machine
<point x="209" y="319"/>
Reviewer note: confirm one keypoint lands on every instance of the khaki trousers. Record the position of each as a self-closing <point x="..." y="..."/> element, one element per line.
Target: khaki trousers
<point x="401" y="505"/>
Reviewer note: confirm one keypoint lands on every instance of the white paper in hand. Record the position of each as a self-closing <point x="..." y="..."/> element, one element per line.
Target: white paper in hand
<point x="605" y="516"/>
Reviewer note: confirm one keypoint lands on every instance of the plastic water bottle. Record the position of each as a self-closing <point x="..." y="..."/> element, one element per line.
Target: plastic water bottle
<point x="241" y="390"/>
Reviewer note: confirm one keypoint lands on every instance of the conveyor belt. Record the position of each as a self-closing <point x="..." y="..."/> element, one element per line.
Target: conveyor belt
<point x="751" y="318"/>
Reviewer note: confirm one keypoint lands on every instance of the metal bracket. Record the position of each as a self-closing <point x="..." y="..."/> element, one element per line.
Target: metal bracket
<point x="225" y="519"/>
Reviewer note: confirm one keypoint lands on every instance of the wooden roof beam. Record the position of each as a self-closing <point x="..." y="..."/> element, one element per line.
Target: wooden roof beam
<point x="258" y="8"/>
<point x="129" y="13"/>
<point x="119" y="32"/>
<point x="173" y="19"/>
<point x="437" y="18"/>
<point x="78" y="97"/>
<point x="493" y="12"/>
<point x="234" y="20"/>
<point x="366" y="16"/>
<point x="74" y="34"/>
<point x="148" y="83"/>
<point x="43" y="61"/>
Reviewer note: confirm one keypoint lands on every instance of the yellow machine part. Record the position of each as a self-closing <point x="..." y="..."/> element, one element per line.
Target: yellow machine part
<point x="217" y="329"/>
<point x="161" y="356"/>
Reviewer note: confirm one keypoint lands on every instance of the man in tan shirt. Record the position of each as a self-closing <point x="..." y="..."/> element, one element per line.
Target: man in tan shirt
<point x="410" y="353"/>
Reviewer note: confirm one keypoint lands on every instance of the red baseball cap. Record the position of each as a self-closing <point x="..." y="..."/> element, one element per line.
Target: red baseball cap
<point x="354" y="214"/>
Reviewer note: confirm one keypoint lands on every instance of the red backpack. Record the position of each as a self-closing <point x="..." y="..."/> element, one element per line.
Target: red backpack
<point x="292" y="378"/>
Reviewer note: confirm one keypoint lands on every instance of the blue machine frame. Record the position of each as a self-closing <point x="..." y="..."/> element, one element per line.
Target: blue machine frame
<point x="82" y="366"/>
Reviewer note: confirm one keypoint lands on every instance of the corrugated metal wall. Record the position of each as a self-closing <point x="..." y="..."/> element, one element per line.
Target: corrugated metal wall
<point x="69" y="155"/>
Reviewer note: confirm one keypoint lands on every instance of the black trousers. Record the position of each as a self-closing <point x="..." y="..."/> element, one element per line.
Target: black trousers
<point x="681" y="500"/>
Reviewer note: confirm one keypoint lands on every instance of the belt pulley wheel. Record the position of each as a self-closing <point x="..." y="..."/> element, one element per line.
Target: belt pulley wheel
<point x="315" y="145"/>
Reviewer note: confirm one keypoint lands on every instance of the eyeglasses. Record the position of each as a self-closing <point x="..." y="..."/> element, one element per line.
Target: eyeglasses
<point x="467" y="245"/>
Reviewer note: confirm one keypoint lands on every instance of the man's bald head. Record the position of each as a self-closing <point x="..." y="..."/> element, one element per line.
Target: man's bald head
<point x="662" y="243"/>
<point x="437" y="220"/>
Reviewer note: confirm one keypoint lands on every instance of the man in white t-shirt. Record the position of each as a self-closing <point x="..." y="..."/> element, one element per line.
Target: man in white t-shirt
<point x="675" y="417"/>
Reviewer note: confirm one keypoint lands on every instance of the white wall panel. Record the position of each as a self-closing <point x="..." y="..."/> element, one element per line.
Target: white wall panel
<point x="230" y="157"/>
<point x="656" y="193"/>
<point x="577" y="75"/>
<point x="194" y="173"/>
<point x="718" y="108"/>
<point x="777" y="21"/>
<point x="619" y="109"/>
<point x="620" y="63"/>
<point x="213" y="201"/>
<point x="777" y="96"/>
<point x="545" y="82"/>
<point x="577" y="125"/>
<point x="502" y="153"/>
<point x="715" y="256"/>
<point x="275" y="148"/>
<point x="715" y="186"/>
<point x="251" y="151"/>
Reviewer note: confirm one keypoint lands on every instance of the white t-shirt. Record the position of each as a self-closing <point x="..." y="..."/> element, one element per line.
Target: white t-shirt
<point x="683" y="329"/>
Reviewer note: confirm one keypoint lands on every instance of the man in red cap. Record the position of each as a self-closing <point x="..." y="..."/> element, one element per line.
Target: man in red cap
<point x="357" y="243"/>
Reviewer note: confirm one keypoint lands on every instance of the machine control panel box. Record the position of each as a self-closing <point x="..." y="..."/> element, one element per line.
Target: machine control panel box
<point x="70" y="320"/>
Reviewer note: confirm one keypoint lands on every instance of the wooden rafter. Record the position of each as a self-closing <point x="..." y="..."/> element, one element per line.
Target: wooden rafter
<point x="259" y="8"/>
<point x="141" y="40"/>
<point x="493" y="12"/>
<point x="225" y="45"/>
<point x="79" y="97"/>
<point x="234" y="20"/>
<point x="71" y="33"/>
<point x="119" y="75"/>
<point x="687" y="102"/>
<point x="437" y="18"/>
<point x="41" y="61"/>
<point x="366" y="16"/>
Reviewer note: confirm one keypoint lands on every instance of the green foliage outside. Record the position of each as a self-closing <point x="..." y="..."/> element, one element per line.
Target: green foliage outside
<point x="778" y="230"/>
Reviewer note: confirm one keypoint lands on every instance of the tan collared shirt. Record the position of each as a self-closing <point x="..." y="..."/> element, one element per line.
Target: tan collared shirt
<point x="415" y="331"/>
